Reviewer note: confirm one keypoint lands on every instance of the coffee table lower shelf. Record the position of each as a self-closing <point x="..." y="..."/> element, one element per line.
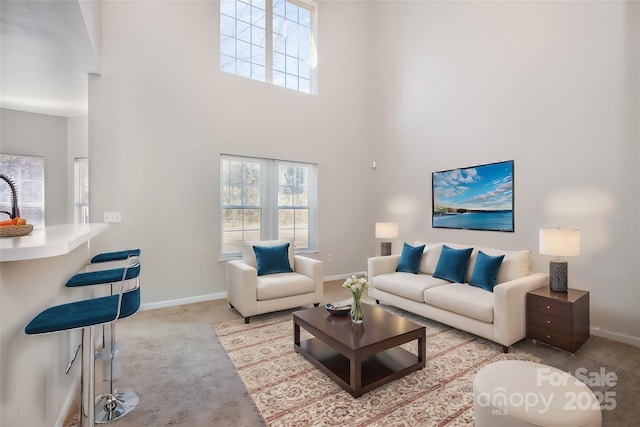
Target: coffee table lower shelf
<point x="375" y="370"/>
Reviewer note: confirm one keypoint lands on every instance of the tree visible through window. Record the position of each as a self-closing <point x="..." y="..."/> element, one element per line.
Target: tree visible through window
<point x="293" y="204"/>
<point x="241" y="203"/>
<point x="264" y="199"/>
<point x="270" y="40"/>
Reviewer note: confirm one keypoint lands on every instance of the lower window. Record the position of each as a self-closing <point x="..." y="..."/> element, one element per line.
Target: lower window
<point x="266" y="199"/>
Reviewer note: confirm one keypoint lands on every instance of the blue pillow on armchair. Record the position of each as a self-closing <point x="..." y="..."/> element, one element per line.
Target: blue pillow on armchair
<point x="485" y="271"/>
<point x="272" y="259"/>
<point x="410" y="258"/>
<point x="452" y="264"/>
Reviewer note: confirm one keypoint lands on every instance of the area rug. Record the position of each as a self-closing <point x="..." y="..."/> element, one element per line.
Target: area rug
<point x="290" y="391"/>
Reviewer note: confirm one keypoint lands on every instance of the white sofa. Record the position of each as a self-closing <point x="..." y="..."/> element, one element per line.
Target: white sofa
<point x="252" y="294"/>
<point x="498" y="316"/>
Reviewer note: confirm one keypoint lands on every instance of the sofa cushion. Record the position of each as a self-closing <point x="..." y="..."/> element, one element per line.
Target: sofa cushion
<point x="410" y="259"/>
<point x="249" y="256"/>
<point x="514" y="265"/>
<point x="463" y="299"/>
<point x="406" y="285"/>
<point x="453" y="263"/>
<point x="485" y="271"/>
<point x="281" y="285"/>
<point x="272" y="259"/>
<point x="430" y="256"/>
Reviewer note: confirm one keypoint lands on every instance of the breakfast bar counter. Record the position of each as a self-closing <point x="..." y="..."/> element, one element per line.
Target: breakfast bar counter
<point x="33" y="270"/>
<point x="49" y="241"/>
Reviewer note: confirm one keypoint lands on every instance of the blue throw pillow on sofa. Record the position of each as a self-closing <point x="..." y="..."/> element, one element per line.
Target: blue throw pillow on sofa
<point x="452" y="264"/>
<point x="410" y="258"/>
<point x="485" y="271"/>
<point x="272" y="259"/>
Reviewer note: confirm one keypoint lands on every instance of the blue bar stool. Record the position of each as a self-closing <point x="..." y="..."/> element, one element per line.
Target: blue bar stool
<point x="116" y="403"/>
<point x="115" y="256"/>
<point x="85" y="315"/>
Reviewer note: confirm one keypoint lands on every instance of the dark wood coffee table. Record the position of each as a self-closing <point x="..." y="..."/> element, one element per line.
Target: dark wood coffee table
<point x="359" y="357"/>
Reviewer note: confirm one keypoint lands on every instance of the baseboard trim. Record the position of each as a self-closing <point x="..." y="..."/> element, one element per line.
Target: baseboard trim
<point x="222" y="295"/>
<point x="182" y="301"/>
<point x="627" y="339"/>
<point x="343" y="276"/>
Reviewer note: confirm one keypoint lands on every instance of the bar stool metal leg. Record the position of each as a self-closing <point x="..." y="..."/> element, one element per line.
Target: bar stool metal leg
<point x="88" y="378"/>
<point x="116" y="404"/>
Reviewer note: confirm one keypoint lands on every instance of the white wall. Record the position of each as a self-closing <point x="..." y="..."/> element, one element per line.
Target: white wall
<point x="161" y="113"/>
<point x="92" y="17"/>
<point x="30" y="134"/>
<point x="551" y="85"/>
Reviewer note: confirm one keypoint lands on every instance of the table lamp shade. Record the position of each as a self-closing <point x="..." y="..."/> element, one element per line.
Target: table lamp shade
<point x="386" y="230"/>
<point x="559" y="242"/>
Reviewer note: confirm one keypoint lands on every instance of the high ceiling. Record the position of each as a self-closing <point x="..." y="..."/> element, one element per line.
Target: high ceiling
<point x="46" y="56"/>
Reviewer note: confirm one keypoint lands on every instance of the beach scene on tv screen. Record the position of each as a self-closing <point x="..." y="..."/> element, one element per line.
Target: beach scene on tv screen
<point x="477" y="198"/>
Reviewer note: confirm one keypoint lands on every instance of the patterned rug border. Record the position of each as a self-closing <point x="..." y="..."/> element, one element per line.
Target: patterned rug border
<point x="289" y="390"/>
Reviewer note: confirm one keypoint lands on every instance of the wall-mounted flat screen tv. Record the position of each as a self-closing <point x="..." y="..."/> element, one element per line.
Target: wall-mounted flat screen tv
<point x="474" y="198"/>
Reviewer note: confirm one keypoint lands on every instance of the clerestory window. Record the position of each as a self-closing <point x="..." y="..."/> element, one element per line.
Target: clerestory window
<point x="273" y="41"/>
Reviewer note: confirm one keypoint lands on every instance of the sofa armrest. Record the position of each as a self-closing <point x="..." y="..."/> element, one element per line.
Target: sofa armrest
<point x="510" y="315"/>
<point x="378" y="265"/>
<point x="242" y="287"/>
<point x="313" y="269"/>
<point x="381" y="265"/>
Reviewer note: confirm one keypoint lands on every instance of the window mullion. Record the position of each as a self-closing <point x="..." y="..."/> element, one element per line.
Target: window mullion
<point x="270" y="201"/>
<point x="269" y="41"/>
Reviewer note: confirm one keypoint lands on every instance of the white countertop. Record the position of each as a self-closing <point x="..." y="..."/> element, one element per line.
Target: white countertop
<point x="49" y="241"/>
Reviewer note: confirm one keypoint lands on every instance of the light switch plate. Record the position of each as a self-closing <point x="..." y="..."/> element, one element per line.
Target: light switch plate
<point x="112" y="217"/>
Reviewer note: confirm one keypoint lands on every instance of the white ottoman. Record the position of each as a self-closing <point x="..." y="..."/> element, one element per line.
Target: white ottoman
<point x="514" y="393"/>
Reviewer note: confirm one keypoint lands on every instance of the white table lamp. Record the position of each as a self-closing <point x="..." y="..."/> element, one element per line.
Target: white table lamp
<point x="386" y="230"/>
<point x="559" y="242"/>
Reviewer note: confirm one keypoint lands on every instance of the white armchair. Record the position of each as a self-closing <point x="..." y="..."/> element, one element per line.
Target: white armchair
<point x="252" y="294"/>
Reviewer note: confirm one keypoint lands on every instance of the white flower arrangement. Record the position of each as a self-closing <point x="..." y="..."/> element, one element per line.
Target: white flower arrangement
<point x="356" y="285"/>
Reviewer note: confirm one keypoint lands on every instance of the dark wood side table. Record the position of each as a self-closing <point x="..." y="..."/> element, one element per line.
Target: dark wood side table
<point x="560" y="319"/>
